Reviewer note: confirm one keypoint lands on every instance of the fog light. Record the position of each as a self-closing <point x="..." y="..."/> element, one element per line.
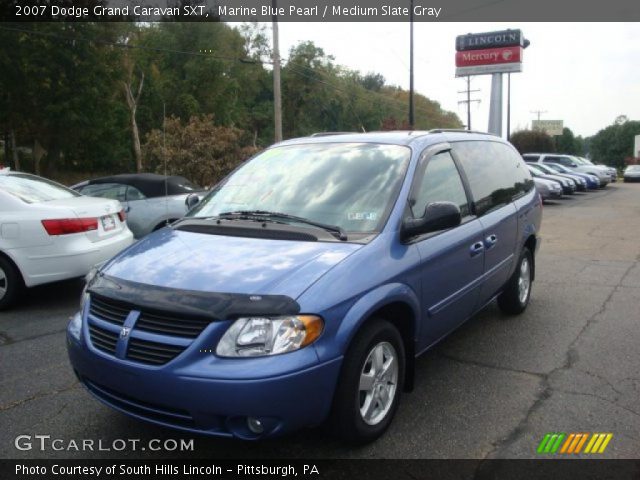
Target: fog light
<point x="255" y="425"/>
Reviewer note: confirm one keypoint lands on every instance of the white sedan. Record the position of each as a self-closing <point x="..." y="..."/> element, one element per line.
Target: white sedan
<point x="49" y="233"/>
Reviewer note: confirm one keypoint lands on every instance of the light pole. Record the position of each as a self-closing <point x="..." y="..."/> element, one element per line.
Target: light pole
<point x="277" y="98"/>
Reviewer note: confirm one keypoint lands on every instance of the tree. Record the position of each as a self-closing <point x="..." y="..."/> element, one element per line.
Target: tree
<point x="614" y="143"/>
<point x="532" y="141"/>
<point x="568" y="143"/>
<point x="198" y="150"/>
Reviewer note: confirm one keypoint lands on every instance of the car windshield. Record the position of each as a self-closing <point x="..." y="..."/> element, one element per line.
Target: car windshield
<point x="633" y="168"/>
<point x="349" y="185"/>
<point x="546" y="169"/>
<point x="557" y="168"/>
<point x="32" y="189"/>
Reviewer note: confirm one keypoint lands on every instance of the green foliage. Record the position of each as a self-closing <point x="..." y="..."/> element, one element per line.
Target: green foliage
<point x="62" y="92"/>
<point x="527" y="141"/>
<point x="614" y="143"/>
<point x="198" y="150"/>
<point x="569" y="144"/>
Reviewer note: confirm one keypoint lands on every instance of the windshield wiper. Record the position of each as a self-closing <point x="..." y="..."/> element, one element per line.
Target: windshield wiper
<point x="335" y="230"/>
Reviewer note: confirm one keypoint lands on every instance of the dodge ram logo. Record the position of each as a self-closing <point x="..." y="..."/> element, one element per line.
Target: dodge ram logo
<point x="124" y="333"/>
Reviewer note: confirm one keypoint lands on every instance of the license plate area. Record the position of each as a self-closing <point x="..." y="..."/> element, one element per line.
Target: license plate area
<point x="108" y="223"/>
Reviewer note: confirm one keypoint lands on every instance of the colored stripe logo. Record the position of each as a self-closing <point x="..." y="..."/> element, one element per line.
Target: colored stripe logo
<point x="573" y="443"/>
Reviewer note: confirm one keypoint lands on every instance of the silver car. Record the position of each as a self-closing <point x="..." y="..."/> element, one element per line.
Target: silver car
<point x="548" y="189"/>
<point x="632" y="173"/>
<point x="150" y="201"/>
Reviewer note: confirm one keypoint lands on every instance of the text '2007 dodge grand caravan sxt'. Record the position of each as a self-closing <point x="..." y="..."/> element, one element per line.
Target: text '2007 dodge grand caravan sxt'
<point x="303" y="286"/>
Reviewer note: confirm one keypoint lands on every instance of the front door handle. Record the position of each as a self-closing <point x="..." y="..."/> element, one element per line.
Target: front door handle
<point x="476" y="249"/>
<point x="490" y="241"/>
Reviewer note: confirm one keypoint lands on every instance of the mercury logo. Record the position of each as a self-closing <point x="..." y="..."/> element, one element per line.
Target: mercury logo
<point x="507" y="54"/>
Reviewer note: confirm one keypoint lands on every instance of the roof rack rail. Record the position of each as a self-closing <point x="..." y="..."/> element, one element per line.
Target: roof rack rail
<point x="328" y="134"/>
<point x="459" y="130"/>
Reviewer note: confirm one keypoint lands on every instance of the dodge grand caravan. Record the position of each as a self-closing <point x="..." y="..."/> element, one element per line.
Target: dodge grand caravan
<point x="301" y="289"/>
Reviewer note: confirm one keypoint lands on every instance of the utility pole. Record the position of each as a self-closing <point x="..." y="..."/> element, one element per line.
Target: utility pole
<point x="538" y="112"/>
<point x="277" y="98"/>
<point x="508" y="106"/>
<point x="468" y="101"/>
<point x="411" y="114"/>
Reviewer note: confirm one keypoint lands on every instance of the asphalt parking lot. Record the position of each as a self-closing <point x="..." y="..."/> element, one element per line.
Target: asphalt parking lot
<point x="493" y="389"/>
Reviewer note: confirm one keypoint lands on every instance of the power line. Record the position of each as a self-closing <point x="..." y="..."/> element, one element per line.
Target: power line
<point x="399" y="104"/>
<point x="538" y="112"/>
<point x="469" y="100"/>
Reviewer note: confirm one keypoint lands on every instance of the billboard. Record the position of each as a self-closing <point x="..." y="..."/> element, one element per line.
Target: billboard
<point x="551" y="127"/>
<point x="491" y="52"/>
<point x="479" y="41"/>
<point x="636" y="148"/>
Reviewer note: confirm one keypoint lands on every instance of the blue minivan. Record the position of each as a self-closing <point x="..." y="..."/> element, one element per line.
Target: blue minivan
<point x="300" y="290"/>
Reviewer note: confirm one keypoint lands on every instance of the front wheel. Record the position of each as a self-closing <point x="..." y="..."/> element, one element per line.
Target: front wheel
<point x="370" y="384"/>
<point x="515" y="297"/>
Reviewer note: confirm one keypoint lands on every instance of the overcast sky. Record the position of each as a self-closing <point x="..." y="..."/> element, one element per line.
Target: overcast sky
<point x="583" y="73"/>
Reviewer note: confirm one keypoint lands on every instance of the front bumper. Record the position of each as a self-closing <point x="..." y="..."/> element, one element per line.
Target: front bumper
<point x="197" y="397"/>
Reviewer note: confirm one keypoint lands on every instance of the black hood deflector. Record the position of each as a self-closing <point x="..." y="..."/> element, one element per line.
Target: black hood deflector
<point x="191" y="303"/>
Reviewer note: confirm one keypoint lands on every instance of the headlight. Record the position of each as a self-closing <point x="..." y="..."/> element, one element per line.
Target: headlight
<point x="260" y="336"/>
<point x="75" y="326"/>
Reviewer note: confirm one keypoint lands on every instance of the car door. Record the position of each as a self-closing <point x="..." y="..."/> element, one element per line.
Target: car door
<point x="492" y="173"/>
<point x="451" y="262"/>
<point x="138" y="217"/>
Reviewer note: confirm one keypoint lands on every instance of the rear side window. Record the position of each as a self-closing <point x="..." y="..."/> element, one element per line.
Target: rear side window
<point x="531" y="158"/>
<point x="555" y="159"/>
<point x="114" y="191"/>
<point x="441" y="182"/>
<point x="495" y="171"/>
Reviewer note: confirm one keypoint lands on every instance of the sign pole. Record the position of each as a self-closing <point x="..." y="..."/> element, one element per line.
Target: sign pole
<point x="495" y="107"/>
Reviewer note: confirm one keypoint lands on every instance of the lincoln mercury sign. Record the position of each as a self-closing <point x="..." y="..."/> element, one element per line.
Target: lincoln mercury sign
<point x="491" y="52"/>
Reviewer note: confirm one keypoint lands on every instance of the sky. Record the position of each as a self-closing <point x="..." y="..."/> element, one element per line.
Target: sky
<point x="585" y="74"/>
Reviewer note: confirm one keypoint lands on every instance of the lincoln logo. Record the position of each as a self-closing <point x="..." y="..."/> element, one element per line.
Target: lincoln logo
<point x="124" y="333"/>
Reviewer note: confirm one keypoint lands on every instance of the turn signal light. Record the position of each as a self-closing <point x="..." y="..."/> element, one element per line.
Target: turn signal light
<point x="66" y="226"/>
<point x="122" y="215"/>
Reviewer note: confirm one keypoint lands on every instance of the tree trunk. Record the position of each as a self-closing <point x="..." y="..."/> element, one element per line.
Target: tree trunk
<point x="14" y="150"/>
<point x="132" y="102"/>
<point x="38" y="153"/>
<point x="136" y="141"/>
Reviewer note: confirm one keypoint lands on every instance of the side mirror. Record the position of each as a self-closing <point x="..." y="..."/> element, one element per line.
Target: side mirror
<point x="191" y="201"/>
<point x="437" y="216"/>
<point x="573" y="165"/>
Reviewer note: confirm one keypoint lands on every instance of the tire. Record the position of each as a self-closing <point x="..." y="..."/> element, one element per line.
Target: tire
<point x="375" y="345"/>
<point x="11" y="284"/>
<point x="515" y="297"/>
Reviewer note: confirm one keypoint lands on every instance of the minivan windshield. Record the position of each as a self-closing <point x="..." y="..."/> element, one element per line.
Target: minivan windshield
<point x="350" y="185"/>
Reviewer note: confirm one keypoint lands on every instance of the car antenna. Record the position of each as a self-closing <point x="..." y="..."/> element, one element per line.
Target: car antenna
<point x="164" y="156"/>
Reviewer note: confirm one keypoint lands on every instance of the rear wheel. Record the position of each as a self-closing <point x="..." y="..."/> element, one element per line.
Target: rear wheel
<point x="370" y="384"/>
<point x="10" y="284"/>
<point x="515" y="297"/>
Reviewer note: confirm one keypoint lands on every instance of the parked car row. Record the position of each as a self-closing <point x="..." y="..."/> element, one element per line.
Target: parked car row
<point x="556" y="175"/>
<point x="49" y="232"/>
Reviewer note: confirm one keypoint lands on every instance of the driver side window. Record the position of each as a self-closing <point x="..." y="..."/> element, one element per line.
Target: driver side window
<point x="441" y="182"/>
